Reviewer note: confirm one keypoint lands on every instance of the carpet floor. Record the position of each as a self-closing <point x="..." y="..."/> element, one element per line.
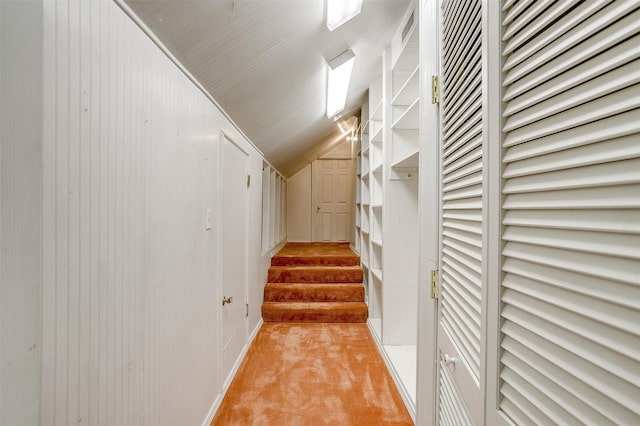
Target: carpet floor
<point x="312" y="374"/>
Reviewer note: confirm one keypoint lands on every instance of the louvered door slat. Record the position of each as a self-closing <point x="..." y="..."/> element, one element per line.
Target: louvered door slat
<point x="460" y="81"/>
<point x="622" y="245"/>
<point x="516" y="10"/>
<point x="620" y="78"/>
<point x="524" y="18"/>
<point x="600" y="31"/>
<point x="615" y="294"/>
<point x="454" y="14"/>
<point x="615" y="197"/>
<point x="564" y="350"/>
<point x="600" y="314"/>
<point x="453" y="412"/>
<point x="620" y="172"/>
<point x="552" y="13"/>
<point x="526" y="43"/>
<point x="470" y="96"/>
<point x="462" y="147"/>
<point x="586" y="263"/>
<point x="604" y="107"/>
<point x="465" y="130"/>
<point x="571" y="215"/>
<point x="554" y="60"/>
<point x="588" y="395"/>
<point x="461" y="45"/>
<point x="624" y="148"/>
<point x="586" y="71"/>
<point x="627" y="123"/>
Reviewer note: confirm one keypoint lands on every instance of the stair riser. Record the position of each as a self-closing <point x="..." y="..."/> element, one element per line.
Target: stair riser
<point x="315" y="261"/>
<point x="314" y="292"/>
<point x="310" y="315"/>
<point x="319" y="275"/>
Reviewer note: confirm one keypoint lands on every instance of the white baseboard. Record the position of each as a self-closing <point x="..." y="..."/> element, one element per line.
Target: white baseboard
<point x="234" y="370"/>
<point x="277" y="248"/>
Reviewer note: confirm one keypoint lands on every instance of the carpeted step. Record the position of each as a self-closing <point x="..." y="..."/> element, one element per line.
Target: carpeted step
<point x="315" y="274"/>
<point x="309" y="254"/>
<point x="309" y="292"/>
<point x="347" y="312"/>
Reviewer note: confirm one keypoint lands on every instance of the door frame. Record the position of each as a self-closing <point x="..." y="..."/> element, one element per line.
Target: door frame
<point x="493" y="123"/>
<point x="223" y="384"/>
<point x="427" y="368"/>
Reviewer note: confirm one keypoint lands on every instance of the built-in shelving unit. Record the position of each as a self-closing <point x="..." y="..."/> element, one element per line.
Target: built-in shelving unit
<point x="389" y="171"/>
<point x="374" y="212"/>
<point x="274" y="207"/>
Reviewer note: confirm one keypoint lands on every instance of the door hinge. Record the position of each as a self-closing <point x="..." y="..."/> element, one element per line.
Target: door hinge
<point x="248" y="181"/>
<point x="435" y="89"/>
<point x="435" y="284"/>
<point x="247" y="311"/>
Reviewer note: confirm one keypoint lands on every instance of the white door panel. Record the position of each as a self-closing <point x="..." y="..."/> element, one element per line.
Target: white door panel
<point x="461" y="215"/>
<point x="569" y="341"/>
<point x="333" y="195"/>
<point x="233" y="264"/>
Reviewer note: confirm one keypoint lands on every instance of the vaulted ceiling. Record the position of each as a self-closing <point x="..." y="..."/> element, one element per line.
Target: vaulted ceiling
<point x="264" y="61"/>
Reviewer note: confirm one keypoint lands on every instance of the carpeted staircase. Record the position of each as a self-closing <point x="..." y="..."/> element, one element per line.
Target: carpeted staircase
<point x="315" y="282"/>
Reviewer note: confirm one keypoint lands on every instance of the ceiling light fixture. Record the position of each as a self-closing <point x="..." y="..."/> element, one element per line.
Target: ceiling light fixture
<point x="338" y="79"/>
<point x="340" y="11"/>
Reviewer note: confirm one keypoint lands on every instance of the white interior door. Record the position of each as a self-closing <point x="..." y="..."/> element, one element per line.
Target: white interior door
<point x="460" y="396"/>
<point x="333" y="199"/>
<point x="233" y="254"/>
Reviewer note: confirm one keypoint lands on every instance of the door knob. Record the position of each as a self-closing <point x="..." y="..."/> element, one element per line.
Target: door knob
<point x="449" y="360"/>
<point x="226" y="300"/>
<point x="318" y="209"/>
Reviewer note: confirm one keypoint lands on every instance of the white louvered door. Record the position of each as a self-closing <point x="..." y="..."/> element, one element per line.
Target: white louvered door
<point x="460" y="398"/>
<point x="570" y="333"/>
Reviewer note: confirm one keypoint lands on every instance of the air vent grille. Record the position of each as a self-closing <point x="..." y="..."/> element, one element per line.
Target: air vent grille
<point x="407" y="26"/>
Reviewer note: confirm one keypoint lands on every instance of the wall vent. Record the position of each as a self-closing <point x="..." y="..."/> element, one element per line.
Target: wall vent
<point x="408" y="25"/>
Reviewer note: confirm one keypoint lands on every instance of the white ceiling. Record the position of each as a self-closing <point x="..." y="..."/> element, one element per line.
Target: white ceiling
<point x="264" y="61"/>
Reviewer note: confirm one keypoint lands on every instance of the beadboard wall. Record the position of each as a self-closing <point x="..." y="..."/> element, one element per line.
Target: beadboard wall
<point x="125" y="303"/>
<point x="20" y="205"/>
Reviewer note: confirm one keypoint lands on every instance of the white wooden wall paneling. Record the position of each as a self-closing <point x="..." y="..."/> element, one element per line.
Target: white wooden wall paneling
<point x="129" y="164"/>
<point x="20" y="206"/>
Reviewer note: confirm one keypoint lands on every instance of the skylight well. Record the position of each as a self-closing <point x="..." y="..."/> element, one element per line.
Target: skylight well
<point x="338" y="79"/>
<point x="341" y="11"/>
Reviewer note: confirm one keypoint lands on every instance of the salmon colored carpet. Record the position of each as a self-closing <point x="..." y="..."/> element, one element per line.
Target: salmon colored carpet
<point x="312" y="374"/>
<point x="315" y="282"/>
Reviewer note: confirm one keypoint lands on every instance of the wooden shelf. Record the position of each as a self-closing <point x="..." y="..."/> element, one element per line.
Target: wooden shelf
<point x="411" y="161"/>
<point x="377" y="136"/>
<point x="410" y="119"/>
<point x="377" y="272"/>
<point x="409" y="91"/>
<point x="376" y="114"/>
<point x="403" y="363"/>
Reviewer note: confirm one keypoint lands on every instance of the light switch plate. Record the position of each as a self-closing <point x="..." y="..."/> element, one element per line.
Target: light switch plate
<point x="208" y="221"/>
